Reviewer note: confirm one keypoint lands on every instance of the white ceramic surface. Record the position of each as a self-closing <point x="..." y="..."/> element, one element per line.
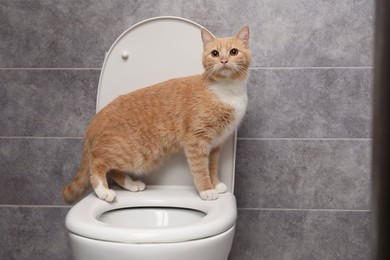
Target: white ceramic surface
<point x="219" y="216"/>
<point x="211" y="248"/>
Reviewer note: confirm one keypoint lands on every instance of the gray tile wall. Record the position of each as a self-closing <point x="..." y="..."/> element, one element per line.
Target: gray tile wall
<point x="303" y="159"/>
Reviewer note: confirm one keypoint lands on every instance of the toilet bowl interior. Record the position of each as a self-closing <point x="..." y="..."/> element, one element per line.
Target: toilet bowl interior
<point x="151" y="217"/>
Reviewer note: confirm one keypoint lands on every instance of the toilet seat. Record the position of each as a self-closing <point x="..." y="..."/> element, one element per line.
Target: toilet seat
<point x="220" y="215"/>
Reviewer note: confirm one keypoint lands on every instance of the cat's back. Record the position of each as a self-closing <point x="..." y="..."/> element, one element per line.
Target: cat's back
<point x="164" y="103"/>
<point x="160" y="93"/>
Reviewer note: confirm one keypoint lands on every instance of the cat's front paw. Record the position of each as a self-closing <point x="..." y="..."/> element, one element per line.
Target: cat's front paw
<point x="221" y="187"/>
<point x="105" y="194"/>
<point x="211" y="194"/>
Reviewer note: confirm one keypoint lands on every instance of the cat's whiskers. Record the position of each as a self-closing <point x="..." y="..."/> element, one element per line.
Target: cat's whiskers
<point x="209" y="72"/>
<point x="240" y="70"/>
<point x="243" y="71"/>
<point x="236" y="68"/>
<point x="205" y="77"/>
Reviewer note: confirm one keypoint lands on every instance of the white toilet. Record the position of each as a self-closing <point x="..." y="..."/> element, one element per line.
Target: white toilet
<point x="167" y="221"/>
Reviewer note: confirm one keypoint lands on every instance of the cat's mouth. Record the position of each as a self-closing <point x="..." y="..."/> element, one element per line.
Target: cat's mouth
<point x="225" y="71"/>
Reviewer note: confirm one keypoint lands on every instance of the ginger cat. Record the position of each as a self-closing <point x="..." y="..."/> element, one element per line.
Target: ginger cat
<point x="138" y="131"/>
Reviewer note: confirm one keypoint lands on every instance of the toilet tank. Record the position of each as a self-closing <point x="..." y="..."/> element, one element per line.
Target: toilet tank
<point x="153" y="51"/>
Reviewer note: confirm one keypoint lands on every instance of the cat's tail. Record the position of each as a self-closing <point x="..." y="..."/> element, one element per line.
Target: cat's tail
<point x="80" y="184"/>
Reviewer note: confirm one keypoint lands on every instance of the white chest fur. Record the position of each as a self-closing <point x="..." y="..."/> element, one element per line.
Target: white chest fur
<point x="234" y="94"/>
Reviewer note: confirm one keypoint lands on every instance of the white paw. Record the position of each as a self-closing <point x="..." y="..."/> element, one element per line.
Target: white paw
<point x="105" y="194"/>
<point x="134" y="185"/>
<point x="221" y="187"/>
<point x="209" y="194"/>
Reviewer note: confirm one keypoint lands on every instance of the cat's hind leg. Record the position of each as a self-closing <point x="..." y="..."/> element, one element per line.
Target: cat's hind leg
<point x="99" y="181"/>
<point x="126" y="182"/>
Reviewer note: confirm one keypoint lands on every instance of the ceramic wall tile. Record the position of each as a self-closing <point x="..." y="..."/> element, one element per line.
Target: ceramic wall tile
<point x="73" y="34"/>
<point x="304" y="174"/>
<point x="34" y="171"/>
<point x="34" y="233"/>
<point x="289" y="33"/>
<point x="47" y="102"/>
<point x="304" y="235"/>
<point x="308" y="103"/>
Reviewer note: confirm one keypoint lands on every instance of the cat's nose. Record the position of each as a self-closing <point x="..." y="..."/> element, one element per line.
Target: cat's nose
<point x="224" y="62"/>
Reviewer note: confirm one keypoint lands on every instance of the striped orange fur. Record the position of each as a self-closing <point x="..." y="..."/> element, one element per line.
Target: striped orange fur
<point x="138" y="131"/>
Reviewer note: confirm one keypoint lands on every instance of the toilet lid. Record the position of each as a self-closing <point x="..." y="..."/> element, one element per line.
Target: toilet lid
<point x="220" y="216"/>
<point x="153" y="51"/>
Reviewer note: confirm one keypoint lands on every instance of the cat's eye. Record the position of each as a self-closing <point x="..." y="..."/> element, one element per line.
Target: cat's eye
<point x="233" y="52"/>
<point x="214" y="53"/>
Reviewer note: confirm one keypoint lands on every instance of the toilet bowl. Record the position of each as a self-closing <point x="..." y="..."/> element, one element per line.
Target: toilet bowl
<point x="167" y="221"/>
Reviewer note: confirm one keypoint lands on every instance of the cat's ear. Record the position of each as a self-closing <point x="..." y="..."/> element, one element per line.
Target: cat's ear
<point x="206" y="37"/>
<point x="243" y="35"/>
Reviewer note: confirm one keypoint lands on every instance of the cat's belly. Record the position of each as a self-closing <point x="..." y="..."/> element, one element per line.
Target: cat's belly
<point x="146" y="161"/>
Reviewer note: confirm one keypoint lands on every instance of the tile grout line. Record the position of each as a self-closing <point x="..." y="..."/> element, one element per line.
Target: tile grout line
<point x="33" y="206"/>
<point x="302" y="68"/>
<point x="50" y="68"/>
<point x="292" y="209"/>
<point x="239" y="138"/>
<point x="251" y="68"/>
<point x="302" y="139"/>
<point x="247" y="209"/>
<point x="40" y="137"/>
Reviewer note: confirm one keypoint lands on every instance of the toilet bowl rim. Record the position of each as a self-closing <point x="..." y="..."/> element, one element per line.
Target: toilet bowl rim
<point x="220" y="215"/>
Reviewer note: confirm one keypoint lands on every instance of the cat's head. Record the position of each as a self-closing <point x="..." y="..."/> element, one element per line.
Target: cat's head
<point x="226" y="58"/>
